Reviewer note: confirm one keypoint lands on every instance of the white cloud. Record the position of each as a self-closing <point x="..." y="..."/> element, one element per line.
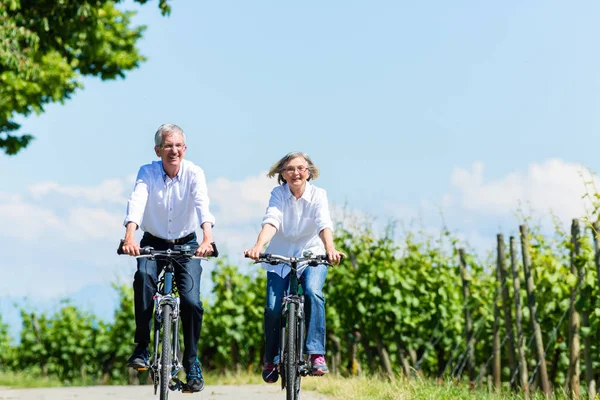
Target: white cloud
<point x="93" y="223"/>
<point x="108" y="191"/>
<point x="241" y="201"/>
<point x="21" y="220"/>
<point x="553" y="185"/>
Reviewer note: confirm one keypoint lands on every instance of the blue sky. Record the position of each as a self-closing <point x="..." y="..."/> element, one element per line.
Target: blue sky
<point x="407" y="108"/>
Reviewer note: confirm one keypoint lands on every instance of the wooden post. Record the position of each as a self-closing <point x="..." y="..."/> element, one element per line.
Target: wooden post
<point x="403" y="361"/>
<point x="353" y="365"/>
<point x="385" y="358"/>
<point x="468" y="319"/>
<point x="574" y="321"/>
<point x="496" y="366"/>
<point x="589" y="368"/>
<point x="596" y="231"/>
<point x="336" y="356"/>
<point x="537" y="333"/>
<point x="508" y="325"/>
<point x="523" y="373"/>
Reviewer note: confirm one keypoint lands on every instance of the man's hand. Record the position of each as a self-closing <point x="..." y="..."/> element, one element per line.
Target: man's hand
<point x="131" y="247"/>
<point x="205" y="249"/>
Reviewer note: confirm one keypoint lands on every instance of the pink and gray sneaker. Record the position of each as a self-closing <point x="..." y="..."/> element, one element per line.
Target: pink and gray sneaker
<point x="270" y="373"/>
<point x="318" y="364"/>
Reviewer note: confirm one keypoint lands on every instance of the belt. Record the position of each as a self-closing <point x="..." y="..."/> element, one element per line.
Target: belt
<point x="181" y="240"/>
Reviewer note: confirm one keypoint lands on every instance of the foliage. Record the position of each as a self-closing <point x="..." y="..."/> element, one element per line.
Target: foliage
<point x="394" y="297"/>
<point x="46" y="46"/>
<point x="232" y="332"/>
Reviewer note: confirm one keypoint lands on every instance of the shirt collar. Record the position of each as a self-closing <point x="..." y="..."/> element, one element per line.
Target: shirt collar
<point x="307" y="192"/>
<point x="165" y="176"/>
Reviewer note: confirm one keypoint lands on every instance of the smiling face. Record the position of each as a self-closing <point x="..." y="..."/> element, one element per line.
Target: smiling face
<point x="296" y="173"/>
<point x="171" y="151"/>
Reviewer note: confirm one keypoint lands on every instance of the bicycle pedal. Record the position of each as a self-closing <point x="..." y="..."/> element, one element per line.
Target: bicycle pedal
<point x="142" y="369"/>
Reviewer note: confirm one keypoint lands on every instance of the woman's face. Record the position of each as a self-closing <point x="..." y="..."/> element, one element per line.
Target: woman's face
<point x="296" y="172"/>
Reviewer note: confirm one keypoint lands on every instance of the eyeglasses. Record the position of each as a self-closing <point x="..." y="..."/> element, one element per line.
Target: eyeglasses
<point x="178" y="146"/>
<point x="301" y="169"/>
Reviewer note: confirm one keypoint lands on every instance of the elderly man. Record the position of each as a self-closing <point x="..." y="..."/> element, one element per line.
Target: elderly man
<point x="169" y="201"/>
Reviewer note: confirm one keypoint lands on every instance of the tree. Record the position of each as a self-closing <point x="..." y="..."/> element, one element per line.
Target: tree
<point x="46" y="46"/>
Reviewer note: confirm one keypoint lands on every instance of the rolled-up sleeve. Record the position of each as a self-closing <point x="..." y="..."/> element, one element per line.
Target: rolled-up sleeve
<point x="200" y="195"/>
<point x="138" y="198"/>
<point x="322" y="214"/>
<point x="274" y="213"/>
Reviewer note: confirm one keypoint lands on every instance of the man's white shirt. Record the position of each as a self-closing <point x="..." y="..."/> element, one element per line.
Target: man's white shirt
<point x="169" y="208"/>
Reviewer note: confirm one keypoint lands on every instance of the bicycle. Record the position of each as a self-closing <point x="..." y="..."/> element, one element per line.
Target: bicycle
<point x="293" y="362"/>
<point x="164" y="366"/>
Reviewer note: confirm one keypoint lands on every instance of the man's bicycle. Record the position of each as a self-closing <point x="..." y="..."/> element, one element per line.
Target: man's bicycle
<point x="165" y="364"/>
<point x="293" y="362"/>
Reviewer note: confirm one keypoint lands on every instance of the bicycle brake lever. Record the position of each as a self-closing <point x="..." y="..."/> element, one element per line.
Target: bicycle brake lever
<point x="215" y="252"/>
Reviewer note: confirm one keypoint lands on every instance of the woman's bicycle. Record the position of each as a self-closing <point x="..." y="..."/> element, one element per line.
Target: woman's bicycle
<point x="293" y="362"/>
<point x="165" y="364"/>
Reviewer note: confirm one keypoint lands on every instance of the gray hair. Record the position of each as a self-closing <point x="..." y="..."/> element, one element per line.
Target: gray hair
<point x="279" y="166"/>
<point x="166" y="130"/>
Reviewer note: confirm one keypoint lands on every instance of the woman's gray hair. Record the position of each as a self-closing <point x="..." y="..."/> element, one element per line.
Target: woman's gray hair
<point x="166" y="130"/>
<point x="279" y="167"/>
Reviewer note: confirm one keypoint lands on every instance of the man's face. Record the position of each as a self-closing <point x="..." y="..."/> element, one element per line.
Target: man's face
<point x="172" y="149"/>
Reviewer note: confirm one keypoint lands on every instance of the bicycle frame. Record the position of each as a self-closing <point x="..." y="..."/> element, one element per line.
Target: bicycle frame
<point x="165" y="295"/>
<point x="292" y="362"/>
<point x="166" y="318"/>
<point x="294" y="298"/>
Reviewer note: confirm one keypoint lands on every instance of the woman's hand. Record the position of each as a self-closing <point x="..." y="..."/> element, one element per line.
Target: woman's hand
<point x="334" y="256"/>
<point x="254" y="253"/>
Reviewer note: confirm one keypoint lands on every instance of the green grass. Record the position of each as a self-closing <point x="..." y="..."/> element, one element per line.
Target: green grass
<point x="370" y="388"/>
<point x="24" y="380"/>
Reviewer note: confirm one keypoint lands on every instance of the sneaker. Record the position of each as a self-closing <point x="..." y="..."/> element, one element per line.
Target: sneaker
<point x="270" y="373"/>
<point x="194" y="379"/>
<point x="318" y="364"/>
<point x="139" y="358"/>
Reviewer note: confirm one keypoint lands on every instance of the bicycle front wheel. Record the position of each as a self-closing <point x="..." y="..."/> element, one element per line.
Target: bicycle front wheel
<point x="292" y="378"/>
<point x="166" y="355"/>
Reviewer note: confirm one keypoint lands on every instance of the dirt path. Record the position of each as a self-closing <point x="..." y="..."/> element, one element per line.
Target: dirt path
<point x="246" y="392"/>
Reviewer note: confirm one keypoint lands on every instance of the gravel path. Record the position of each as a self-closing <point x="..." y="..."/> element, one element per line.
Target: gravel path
<point x="246" y="392"/>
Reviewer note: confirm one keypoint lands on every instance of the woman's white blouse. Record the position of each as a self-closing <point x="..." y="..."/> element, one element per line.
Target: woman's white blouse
<point x="298" y="223"/>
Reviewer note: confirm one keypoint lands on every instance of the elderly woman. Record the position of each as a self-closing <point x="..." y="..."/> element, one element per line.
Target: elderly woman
<point x="297" y="220"/>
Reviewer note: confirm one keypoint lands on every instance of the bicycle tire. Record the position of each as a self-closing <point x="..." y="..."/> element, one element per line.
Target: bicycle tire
<point x="300" y="333"/>
<point x="165" y="356"/>
<point x="291" y="360"/>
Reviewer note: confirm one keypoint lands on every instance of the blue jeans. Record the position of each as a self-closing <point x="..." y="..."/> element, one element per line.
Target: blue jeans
<point x="188" y="273"/>
<point x="312" y="281"/>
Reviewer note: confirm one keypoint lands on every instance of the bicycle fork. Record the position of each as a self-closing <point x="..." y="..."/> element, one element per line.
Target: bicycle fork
<point x="299" y="301"/>
<point x="176" y="366"/>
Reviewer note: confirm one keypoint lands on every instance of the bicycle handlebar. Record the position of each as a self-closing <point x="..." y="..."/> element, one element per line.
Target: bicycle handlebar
<point x="179" y="251"/>
<point x="275" y="259"/>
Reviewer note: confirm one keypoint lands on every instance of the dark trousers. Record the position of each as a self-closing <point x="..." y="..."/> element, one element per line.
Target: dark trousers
<point x="187" y="276"/>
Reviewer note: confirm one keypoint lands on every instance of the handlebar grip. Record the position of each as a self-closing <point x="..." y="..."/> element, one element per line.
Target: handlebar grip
<point x="215" y="252"/>
<point x="261" y="255"/>
<point x="120" y="248"/>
